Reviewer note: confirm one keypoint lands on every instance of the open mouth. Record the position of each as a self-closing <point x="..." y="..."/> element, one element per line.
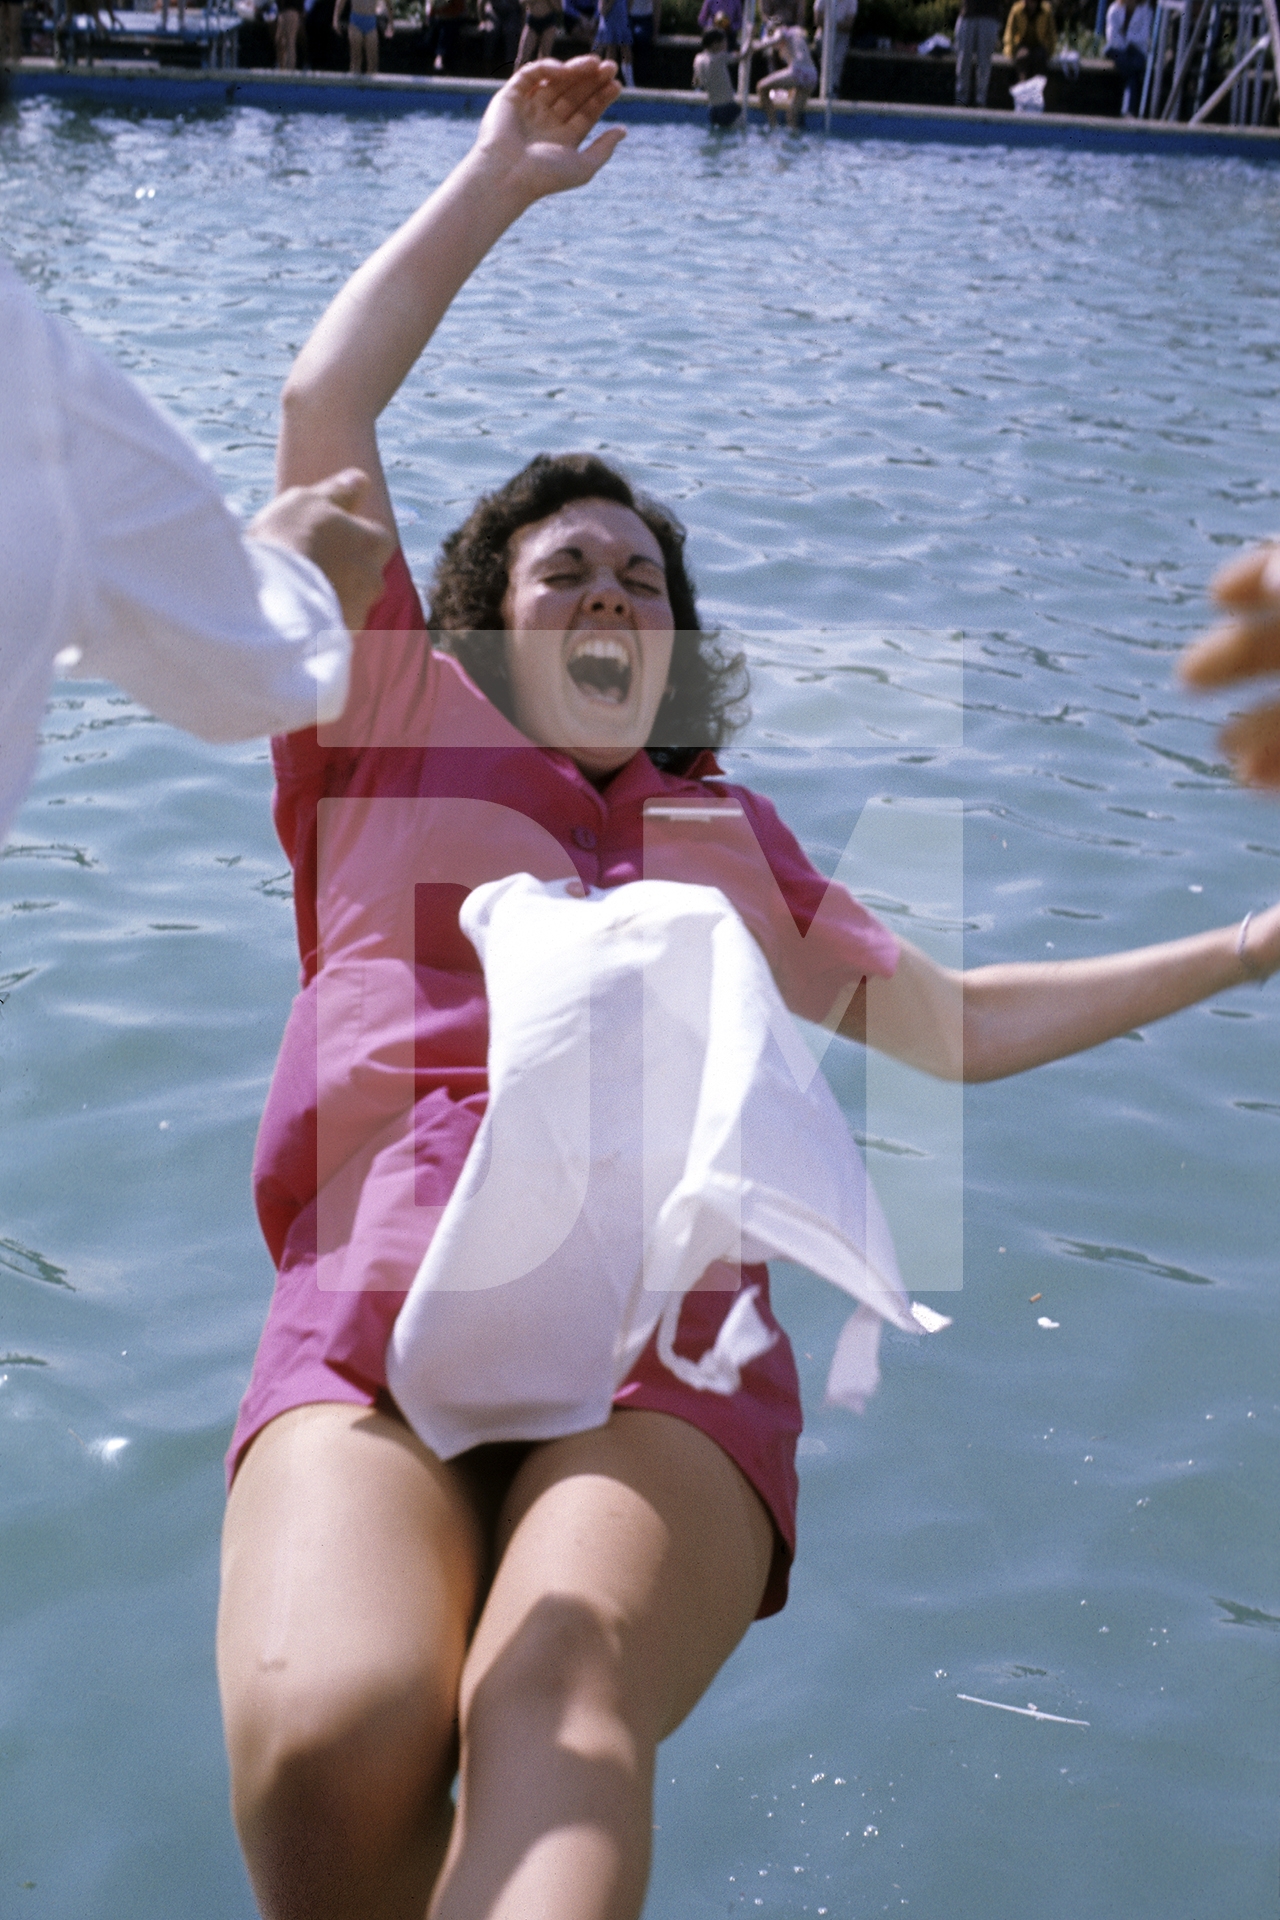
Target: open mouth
<point x="601" y="665"/>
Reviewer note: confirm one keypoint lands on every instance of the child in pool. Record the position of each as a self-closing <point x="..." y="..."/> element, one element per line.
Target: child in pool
<point x="536" y="1618"/>
<point x="797" y="78"/>
<point x="711" y="73"/>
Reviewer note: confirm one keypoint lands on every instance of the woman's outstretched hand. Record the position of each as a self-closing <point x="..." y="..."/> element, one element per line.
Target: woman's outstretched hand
<point x="1245" y="645"/>
<point x="534" y="127"/>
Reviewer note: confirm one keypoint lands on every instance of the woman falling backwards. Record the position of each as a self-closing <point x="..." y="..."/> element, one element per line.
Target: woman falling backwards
<point x="532" y="1618"/>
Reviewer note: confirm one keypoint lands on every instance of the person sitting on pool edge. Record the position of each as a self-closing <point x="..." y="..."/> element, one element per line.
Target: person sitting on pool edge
<point x="533" y="1620"/>
<point x="1030" y="37"/>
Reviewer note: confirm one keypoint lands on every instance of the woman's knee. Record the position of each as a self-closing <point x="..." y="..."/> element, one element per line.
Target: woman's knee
<point x="358" y="1759"/>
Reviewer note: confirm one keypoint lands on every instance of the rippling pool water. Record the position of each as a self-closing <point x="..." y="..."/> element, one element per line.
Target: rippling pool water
<point x="918" y="406"/>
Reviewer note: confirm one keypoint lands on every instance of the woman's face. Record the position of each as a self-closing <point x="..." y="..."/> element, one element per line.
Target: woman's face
<point x="589" y="632"/>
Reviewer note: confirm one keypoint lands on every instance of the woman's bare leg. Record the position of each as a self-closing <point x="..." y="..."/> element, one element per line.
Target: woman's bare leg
<point x="371" y="51"/>
<point x="795" y="112"/>
<point x="352" y="1566"/>
<point x="355" y="46"/>
<point x="635" y="1558"/>
<point x="286" y="41"/>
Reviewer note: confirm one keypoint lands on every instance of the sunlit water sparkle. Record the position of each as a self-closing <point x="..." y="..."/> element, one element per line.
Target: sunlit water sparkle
<point x="915" y="405"/>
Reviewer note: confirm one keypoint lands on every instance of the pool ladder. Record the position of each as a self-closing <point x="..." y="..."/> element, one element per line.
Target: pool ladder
<point x="1186" y="35"/>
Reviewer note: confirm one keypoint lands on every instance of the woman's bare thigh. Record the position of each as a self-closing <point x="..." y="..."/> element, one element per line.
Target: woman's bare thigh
<point x="647" y="1521"/>
<point x="632" y="1560"/>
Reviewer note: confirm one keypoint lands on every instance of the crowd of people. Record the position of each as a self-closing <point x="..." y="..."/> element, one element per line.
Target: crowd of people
<point x="789" y="33"/>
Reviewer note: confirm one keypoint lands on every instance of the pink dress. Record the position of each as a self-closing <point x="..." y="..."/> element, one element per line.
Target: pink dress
<point x="423" y="790"/>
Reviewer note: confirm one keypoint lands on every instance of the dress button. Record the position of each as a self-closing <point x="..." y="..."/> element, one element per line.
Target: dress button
<point x="584" y="838"/>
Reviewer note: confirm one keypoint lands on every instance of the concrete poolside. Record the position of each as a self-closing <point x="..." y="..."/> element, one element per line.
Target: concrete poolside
<point x="150" y="88"/>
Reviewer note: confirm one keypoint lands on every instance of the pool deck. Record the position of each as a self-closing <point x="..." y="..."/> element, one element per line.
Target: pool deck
<point x="148" y="88"/>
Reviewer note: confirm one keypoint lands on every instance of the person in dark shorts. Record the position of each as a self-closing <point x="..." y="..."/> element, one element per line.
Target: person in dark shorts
<point x="711" y="73"/>
<point x="542" y="28"/>
<point x="644" y="16"/>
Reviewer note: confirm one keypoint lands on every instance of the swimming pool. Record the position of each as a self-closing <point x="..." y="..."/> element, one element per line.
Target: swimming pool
<point x="917" y="407"/>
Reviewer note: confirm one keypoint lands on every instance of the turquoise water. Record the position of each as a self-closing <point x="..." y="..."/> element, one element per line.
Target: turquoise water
<point x="919" y="408"/>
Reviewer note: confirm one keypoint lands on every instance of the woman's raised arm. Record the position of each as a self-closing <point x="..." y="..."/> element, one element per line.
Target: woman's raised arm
<point x="371" y="335"/>
<point x="994" y="1021"/>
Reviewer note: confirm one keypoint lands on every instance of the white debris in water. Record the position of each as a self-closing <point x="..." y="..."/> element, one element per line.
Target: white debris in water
<point x="1030" y="1711"/>
<point x="1045" y="1321"/>
<point x="108" y="1451"/>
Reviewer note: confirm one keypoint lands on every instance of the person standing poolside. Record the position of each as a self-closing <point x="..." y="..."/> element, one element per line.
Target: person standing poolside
<point x="645" y="17"/>
<point x="798" y="77"/>
<point x="1129" y="25"/>
<point x="711" y="73"/>
<point x="613" y="37"/>
<point x="843" y="15"/>
<point x="726" y="14"/>
<point x="531" y="1619"/>
<point x="543" y="26"/>
<point x="1245" y="647"/>
<point x="10" y="33"/>
<point x="977" y="36"/>
<point x="446" y="18"/>
<point x="505" y="21"/>
<point x="362" y="33"/>
<point x="120" y="561"/>
<point x="288" y="21"/>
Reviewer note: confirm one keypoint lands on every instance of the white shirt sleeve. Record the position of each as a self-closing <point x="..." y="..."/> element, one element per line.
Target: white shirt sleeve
<point x="118" y="556"/>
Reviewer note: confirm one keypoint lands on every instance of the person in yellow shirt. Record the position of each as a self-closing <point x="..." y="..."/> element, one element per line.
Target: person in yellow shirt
<point x="1030" y="36"/>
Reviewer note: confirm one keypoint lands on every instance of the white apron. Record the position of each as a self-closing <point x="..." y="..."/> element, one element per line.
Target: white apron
<point x="652" y="1110"/>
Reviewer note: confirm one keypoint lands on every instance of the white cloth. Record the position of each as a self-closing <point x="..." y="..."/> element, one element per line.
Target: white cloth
<point x="118" y="555"/>
<point x="1134" y="32"/>
<point x="652" y="1109"/>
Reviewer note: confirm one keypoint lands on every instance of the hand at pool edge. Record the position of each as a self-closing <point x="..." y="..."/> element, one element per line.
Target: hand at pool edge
<point x="1246" y="645"/>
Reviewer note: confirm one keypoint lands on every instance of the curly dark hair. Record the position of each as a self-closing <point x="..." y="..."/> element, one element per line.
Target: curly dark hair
<point x="704" y="703"/>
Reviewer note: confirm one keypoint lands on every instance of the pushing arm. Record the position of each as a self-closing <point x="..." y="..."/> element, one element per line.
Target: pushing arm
<point x="364" y="346"/>
<point x="1246" y="645"/>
